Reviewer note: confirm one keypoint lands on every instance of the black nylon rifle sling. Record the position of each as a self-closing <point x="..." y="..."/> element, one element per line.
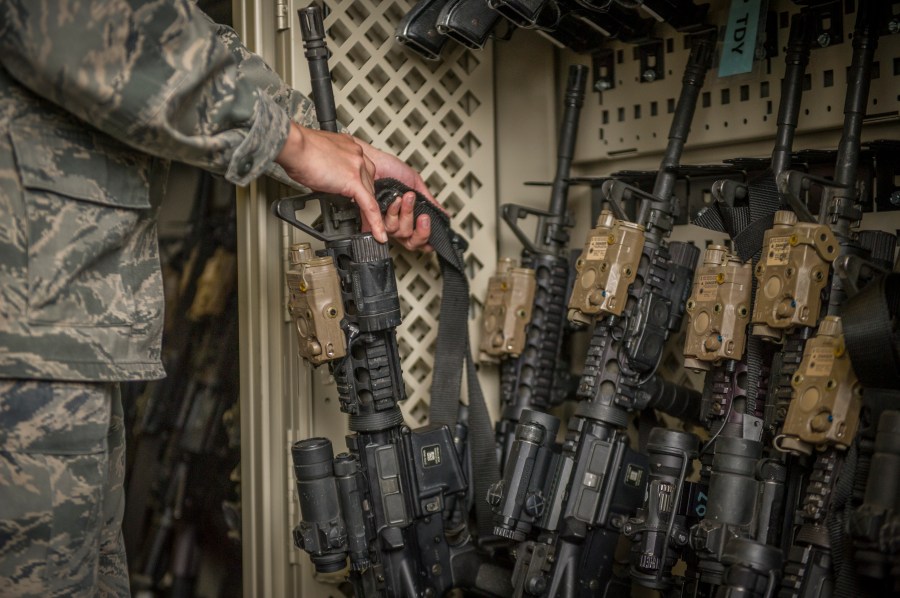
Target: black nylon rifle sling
<point x="871" y="321"/>
<point x="453" y="350"/>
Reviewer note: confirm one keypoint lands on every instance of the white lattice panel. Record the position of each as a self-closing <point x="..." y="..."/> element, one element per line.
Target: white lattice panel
<point x="633" y="118"/>
<point x="439" y="118"/>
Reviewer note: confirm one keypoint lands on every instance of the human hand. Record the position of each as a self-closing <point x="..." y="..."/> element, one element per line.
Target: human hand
<point x="402" y="224"/>
<point x="341" y="164"/>
<point x="333" y="163"/>
<point x="400" y="221"/>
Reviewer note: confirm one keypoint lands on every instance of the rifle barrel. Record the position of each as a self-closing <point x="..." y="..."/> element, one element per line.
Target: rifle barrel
<point x="694" y="74"/>
<point x="312" y="30"/>
<point x="574" y="100"/>
<point x="796" y="61"/>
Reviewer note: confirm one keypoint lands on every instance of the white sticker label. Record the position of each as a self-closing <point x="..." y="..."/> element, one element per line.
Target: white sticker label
<point x="821" y="360"/>
<point x="707" y="287"/>
<point x="597" y="248"/>
<point x="779" y="250"/>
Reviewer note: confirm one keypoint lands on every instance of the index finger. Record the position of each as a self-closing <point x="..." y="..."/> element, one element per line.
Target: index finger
<point x="370" y="212"/>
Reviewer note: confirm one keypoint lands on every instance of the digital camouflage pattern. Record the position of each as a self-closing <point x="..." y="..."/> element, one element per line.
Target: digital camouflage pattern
<point x="80" y="287"/>
<point x="81" y="297"/>
<point x="62" y="469"/>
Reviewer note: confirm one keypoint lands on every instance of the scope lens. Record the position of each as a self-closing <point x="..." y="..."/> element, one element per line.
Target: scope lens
<point x="312" y="458"/>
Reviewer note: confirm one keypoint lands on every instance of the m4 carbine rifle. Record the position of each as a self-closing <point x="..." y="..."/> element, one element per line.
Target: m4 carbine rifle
<point x="381" y="504"/>
<point x="524" y="316"/>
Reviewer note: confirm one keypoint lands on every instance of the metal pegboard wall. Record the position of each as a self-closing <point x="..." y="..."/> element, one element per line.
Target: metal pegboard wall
<point x="633" y="117"/>
<point x="439" y="118"/>
<point x="626" y="126"/>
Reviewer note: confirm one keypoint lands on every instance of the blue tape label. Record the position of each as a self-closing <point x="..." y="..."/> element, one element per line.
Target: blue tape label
<point x="739" y="47"/>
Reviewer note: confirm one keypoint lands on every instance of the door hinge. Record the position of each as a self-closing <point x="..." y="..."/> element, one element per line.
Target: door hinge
<point x="282" y="20"/>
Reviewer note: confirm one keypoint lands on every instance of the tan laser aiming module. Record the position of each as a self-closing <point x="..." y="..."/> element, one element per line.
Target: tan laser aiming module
<point x="718" y="309"/>
<point x="826" y="398"/>
<point x="315" y="305"/>
<point x="607" y="267"/>
<point x="791" y="273"/>
<point x="215" y="285"/>
<point x="507" y="311"/>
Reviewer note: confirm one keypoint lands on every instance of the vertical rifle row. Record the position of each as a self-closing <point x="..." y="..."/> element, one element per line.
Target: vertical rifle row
<point x="782" y="496"/>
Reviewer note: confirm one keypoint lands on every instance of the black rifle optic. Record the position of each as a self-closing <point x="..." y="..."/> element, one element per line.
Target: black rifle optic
<point x="535" y="451"/>
<point x="535" y="373"/>
<point x="530" y="500"/>
<point x="599" y="481"/>
<point x="660" y="529"/>
<point x="874" y="524"/>
<point x="751" y="569"/>
<point x="380" y="504"/>
<point x="744" y="500"/>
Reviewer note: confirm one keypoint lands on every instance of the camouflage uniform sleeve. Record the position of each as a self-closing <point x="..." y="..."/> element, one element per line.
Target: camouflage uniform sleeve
<point x="154" y="75"/>
<point x="297" y="105"/>
<point x="253" y="69"/>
